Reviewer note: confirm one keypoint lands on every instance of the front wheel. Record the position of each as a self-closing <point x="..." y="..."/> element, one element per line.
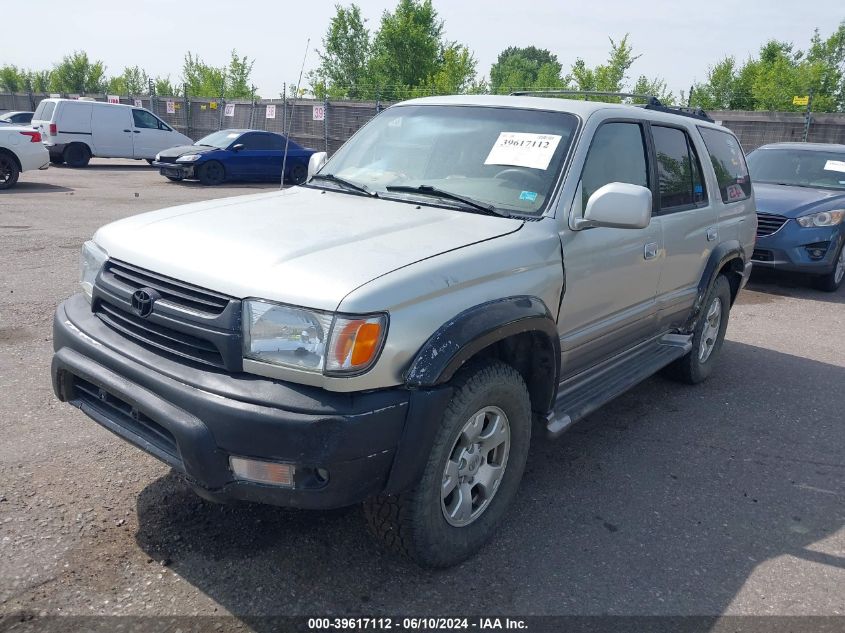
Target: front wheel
<point x="708" y="336"/>
<point x="831" y="281"/>
<point x="472" y="474"/>
<point x="211" y="173"/>
<point x="9" y="171"/>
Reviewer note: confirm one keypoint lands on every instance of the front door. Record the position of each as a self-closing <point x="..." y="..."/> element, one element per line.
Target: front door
<point x="150" y="134"/>
<point x="611" y="274"/>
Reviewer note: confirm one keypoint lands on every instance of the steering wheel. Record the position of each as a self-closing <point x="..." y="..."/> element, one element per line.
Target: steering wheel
<point x="519" y="175"/>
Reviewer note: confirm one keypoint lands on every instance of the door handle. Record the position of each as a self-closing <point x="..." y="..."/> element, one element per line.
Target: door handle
<point x="651" y="250"/>
<point x="137" y="131"/>
<point x="712" y="234"/>
<point x="127" y="130"/>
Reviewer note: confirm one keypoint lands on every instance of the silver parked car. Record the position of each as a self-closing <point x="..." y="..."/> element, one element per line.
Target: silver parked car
<point x="390" y="331"/>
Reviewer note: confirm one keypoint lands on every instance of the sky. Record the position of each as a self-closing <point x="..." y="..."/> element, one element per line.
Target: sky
<point x="678" y="40"/>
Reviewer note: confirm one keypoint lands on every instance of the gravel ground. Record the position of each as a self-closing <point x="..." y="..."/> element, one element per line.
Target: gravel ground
<point x="726" y="498"/>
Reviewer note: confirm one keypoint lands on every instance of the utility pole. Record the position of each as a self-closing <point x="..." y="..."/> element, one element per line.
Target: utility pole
<point x="808" y="118"/>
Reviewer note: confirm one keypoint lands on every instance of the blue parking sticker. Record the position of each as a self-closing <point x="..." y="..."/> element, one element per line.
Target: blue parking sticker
<point x="531" y="196"/>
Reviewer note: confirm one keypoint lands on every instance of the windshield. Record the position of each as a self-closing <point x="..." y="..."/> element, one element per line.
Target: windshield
<point x="799" y="167"/>
<point x="505" y="157"/>
<point x="221" y="139"/>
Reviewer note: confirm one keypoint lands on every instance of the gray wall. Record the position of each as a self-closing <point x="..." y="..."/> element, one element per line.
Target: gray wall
<point x="759" y="128"/>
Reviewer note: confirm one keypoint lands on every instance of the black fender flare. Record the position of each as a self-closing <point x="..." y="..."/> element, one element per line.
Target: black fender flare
<point x="478" y="327"/>
<point x="728" y="252"/>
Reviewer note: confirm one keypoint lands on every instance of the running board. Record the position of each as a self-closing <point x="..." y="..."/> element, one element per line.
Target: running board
<point x="584" y="393"/>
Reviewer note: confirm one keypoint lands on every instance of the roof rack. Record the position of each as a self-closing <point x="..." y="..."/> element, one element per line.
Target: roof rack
<point x="651" y="102"/>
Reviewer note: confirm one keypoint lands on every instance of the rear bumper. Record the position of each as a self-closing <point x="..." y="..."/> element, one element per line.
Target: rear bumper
<point x="797" y="249"/>
<point x="195" y="419"/>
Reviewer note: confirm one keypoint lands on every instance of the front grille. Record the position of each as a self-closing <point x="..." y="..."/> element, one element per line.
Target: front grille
<point x="161" y="337"/>
<point x="768" y="223"/>
<point x="176" y="292"/>
<point x="761" y="255"/>
<point x="128" y="417"/>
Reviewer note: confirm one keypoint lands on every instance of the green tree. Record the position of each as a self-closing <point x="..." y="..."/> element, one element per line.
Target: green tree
<point x="345" y="58"/>
<point x="406" y="49"/>
<point x="39" y="80"/>
<point x="238" y="73"/>
<point x="12" y="79"/>
<point x="610" y="76"/>
<point x="231" y="81"/>
<point x="525" y="69"/>
<point x="653" y="87"/>
<point x="164" y="88"/>
<point x="133" y="81"/>
<point x="78" y="74"/>
<point x="456" y="71"/>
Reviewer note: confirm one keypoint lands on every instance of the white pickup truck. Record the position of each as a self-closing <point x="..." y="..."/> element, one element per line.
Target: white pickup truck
<point x="21" y="149"/>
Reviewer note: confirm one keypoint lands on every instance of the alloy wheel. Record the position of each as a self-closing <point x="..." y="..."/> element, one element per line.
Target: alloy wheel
<point x="712" y="321"/>
<point x="475" y="466"/>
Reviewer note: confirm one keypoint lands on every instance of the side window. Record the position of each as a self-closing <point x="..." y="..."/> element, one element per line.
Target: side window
<point x="262" y="141"/>
<point x="144" y="119"/>
<point x="249" y="141"/>
<point x="678" y="169"/>
<point x="617" y="154"/>
<point x="728" y="163"/>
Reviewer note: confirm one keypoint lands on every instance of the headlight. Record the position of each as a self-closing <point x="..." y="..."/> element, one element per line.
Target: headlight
<point x="822" y="218"/>
<point x="188" y="158"/>
<point x="310" y="340"/>
<point x="158" y="157"/>
<point x="91" y="260"/>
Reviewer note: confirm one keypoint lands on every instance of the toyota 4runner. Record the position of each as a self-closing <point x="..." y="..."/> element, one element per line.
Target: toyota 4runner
<point x="463" y="272"/>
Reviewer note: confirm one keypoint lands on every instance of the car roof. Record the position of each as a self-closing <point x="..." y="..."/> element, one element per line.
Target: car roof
<point x="578" y="107"/>
<point x="811" y="147"/>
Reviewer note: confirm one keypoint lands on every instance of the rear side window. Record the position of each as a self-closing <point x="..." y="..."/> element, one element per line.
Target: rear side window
<point x="679" y="171"/>
<point x="44" y="111"/>
<point x="728" y="163"/>
<point x="617" y="154"/>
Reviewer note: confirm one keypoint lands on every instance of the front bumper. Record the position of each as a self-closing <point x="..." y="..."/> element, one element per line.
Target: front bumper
<point x="194" y="419"/>
<point x="175" y="170"/>
<point x="792" y="249"/>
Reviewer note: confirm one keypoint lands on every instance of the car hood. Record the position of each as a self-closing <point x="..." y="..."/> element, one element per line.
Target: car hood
<point x="180" y="150"/>
<point x="792" y="202"/>
<point x="301" y="246"/>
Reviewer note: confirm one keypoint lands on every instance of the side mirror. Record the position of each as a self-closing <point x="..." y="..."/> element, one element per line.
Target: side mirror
<point x="617" y="205"/>
<point x="238" y="147"/>
<point x="316" y="162"/>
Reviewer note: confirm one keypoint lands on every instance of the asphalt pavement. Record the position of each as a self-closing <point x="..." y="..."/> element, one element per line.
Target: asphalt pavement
<point x="724" y="498"/>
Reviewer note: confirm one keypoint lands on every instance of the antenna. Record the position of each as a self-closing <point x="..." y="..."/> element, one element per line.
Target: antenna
<point x="290" y="120"/>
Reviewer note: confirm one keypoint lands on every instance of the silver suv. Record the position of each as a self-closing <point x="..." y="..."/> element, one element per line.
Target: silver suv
<point x="463" y="273"/>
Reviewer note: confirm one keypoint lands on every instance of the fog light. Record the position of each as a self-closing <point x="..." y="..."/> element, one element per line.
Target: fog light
<point x="271" y="473"/>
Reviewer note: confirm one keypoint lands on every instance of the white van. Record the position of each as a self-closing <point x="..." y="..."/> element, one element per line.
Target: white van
<point x="76" y="130"/>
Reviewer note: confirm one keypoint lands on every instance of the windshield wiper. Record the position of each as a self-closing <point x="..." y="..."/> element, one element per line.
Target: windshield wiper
<point x="345" y="183"/>
<point x="428" y="190"/>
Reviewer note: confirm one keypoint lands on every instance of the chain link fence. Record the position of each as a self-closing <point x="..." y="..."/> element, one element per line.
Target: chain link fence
<point x="321" y="125"/>
<point x="326" y="125"/>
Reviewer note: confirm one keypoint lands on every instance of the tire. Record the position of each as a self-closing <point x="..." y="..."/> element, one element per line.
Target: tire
<point x="211" y="173"/>
<point x="174" y="178"/>
<point x="708" y="336"/>
<point x="77" y="155"/>
<point x="9" y="170"/>
<point x="298" y="174"/>
<point x="833" y="280"/>
<point x="57" y="160"/>
<point x="415" y="522"/>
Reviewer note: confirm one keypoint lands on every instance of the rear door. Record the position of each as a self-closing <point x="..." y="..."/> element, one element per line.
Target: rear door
<point x="611" y="274"/>
<point x="150" y="134"/>
<point x="254" y="161"/>
<point x="688" y="219"/>
<point x="111" y="131"/>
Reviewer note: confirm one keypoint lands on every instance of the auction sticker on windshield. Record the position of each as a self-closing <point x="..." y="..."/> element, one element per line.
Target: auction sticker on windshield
<point x="835" y="165"/>
<point x="523" y="149"/>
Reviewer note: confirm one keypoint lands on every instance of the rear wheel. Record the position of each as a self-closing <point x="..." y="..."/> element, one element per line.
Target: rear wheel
<point x="707" y="337"/>
<point x="9" y="170"/>
<point x="472" y="474"/>
<point x="77" y="155"/>
<point x="298" y="174"/>
<point x="211" y="173"/>
<point x="831" y="281"/>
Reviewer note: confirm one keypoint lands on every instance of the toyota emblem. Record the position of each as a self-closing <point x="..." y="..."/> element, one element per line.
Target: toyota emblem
<point x="143" y="301"/>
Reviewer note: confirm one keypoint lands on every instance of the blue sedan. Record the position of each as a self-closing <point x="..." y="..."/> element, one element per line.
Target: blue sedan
<point x="800" y="194"/>
<point x="235" y="155"/>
